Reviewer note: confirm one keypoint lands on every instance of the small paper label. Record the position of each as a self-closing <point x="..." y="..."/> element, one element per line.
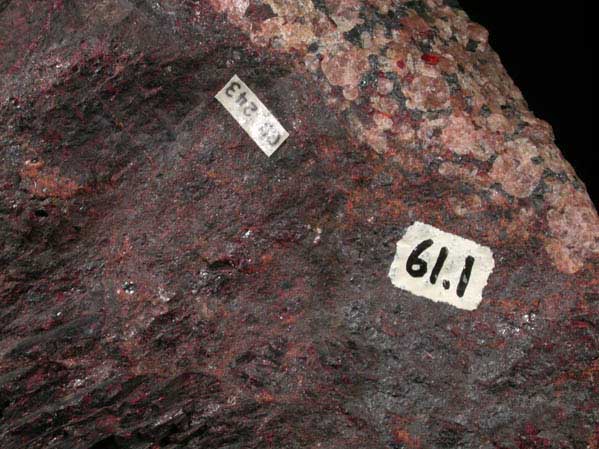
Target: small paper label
<point x="252" y="115"/>
<point x="441" y="266"/>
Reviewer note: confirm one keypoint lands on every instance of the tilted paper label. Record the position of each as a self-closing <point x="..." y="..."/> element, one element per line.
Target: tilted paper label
<point x="441" y="266"/>
<point x="252" y="115"/>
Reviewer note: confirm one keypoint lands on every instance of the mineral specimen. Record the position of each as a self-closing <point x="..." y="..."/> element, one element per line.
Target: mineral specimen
<point x="164" y="284"/>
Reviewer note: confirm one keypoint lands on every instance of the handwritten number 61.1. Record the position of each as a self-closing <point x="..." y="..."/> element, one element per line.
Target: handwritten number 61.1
<point x="417" y="267"/>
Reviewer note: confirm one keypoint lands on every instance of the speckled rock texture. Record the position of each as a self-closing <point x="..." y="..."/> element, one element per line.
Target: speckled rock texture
<point x="164" y="284"/>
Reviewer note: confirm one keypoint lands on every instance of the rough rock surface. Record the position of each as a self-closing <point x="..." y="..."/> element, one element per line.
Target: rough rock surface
<point x="163" y="284"/>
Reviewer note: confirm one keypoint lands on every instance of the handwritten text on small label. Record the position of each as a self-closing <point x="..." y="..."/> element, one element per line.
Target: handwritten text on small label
<point x="441" y="266"/>
<point x="252" y="115"/>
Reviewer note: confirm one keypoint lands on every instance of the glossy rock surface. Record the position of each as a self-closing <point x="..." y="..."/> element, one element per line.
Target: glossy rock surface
<point x="164" y="284"/>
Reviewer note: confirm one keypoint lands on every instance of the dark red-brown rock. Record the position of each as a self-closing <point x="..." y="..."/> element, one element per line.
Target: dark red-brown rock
<point x="164" y="284"/>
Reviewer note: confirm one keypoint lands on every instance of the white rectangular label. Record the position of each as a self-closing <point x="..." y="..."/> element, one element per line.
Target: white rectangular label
<point x="441" y="266"/>
<point x="252" y="115"/>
